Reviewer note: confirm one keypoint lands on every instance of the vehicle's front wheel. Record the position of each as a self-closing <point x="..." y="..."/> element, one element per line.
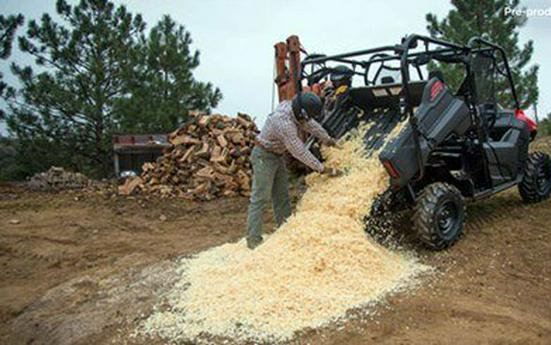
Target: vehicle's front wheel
<point x="439" y="215"/>
<point x="536" y="182"/>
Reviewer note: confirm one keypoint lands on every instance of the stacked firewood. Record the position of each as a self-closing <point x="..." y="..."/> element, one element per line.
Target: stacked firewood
<point x="209" y="158"/>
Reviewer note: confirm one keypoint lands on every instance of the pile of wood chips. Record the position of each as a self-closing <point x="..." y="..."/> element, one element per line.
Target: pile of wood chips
<point x="209" y="158"/>
<point x="316" y="267"/>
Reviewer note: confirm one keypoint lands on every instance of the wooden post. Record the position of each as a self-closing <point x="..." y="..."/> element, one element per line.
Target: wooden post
<point x="116" y="164"/>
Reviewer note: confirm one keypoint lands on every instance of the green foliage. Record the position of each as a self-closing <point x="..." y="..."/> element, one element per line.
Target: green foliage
<point x="544" y="126"/>
<point x="65" y="112"/>
<point x="163" y="88"/>
<point x="97" y="74"/>
<point x="9" y="169"/>
<point x="8" y="26"/>
<point x="487" y="19"/>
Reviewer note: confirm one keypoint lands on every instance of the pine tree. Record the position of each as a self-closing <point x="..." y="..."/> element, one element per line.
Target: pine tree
<point x="8" y="26"/>
<point x="97" y="73"/>
<point x="544" y="126"/>
<point x="64" y="113"/>
<point x="487" y="19"/>
<point x="163" y="89"/>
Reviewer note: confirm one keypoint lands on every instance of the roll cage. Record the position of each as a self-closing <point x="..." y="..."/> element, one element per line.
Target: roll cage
<point x="362" y="61"/>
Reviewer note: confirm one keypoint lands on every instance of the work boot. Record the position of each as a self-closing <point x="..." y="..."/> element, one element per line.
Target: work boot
<point x="252" y="243"/>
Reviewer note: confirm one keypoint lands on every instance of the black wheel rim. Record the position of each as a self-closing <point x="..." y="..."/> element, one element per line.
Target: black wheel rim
<point x="447" y="219"/>
<point x="544" y="178"/>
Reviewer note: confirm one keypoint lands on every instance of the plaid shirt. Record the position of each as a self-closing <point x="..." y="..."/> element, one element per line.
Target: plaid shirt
<point x="280" y="134"/>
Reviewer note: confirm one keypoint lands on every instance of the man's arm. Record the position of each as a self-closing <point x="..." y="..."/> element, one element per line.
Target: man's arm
<point x="314" y="128"/>
<point x="296" y="148"/>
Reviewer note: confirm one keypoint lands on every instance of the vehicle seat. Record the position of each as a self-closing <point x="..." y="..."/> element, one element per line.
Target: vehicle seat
<point x="387" y="80"/>
<point x="505" y="125"/>
<point x="436" y="74"/>
<point x="488" y="115"/>
<point x="385" y="95"/>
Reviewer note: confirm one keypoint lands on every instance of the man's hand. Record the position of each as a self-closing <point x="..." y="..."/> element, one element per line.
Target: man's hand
<point x="332" y="172"/>
<point x="332" y="143"/>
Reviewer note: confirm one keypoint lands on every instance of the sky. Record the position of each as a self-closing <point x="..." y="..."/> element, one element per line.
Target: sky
<point x="235" y="38"/>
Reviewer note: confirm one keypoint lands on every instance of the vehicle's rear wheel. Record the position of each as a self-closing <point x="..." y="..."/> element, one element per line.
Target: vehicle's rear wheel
<point x="536" y="182"/>
<point x="439" y="215"/>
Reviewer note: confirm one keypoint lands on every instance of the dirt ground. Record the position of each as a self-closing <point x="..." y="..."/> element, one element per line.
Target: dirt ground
<point x="85" y="269"/>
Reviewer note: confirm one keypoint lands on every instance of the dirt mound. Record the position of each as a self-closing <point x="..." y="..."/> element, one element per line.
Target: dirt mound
<point x="57" y="179"/>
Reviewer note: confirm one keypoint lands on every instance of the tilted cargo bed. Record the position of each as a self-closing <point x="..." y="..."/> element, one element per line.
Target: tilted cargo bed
<point x="438" y="114"/>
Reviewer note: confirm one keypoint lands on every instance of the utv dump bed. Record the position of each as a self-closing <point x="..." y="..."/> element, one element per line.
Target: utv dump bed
<point x="379" y="105"/>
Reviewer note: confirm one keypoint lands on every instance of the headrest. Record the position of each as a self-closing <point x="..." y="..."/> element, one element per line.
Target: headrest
<point x="387" y="80"/>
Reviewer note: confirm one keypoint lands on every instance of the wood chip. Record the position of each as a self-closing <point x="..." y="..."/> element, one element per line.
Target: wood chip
<point x="130" y="185"/>
<point x="222" y="140"/>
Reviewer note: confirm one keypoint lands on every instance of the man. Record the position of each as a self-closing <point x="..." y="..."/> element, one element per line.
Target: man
<point x="279" y="136"/>
<point x="336" y="91"/>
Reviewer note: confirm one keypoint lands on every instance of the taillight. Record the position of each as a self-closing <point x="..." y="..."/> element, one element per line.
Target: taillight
<point x="391" y="169"/>
<point x="532" y="125"/>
